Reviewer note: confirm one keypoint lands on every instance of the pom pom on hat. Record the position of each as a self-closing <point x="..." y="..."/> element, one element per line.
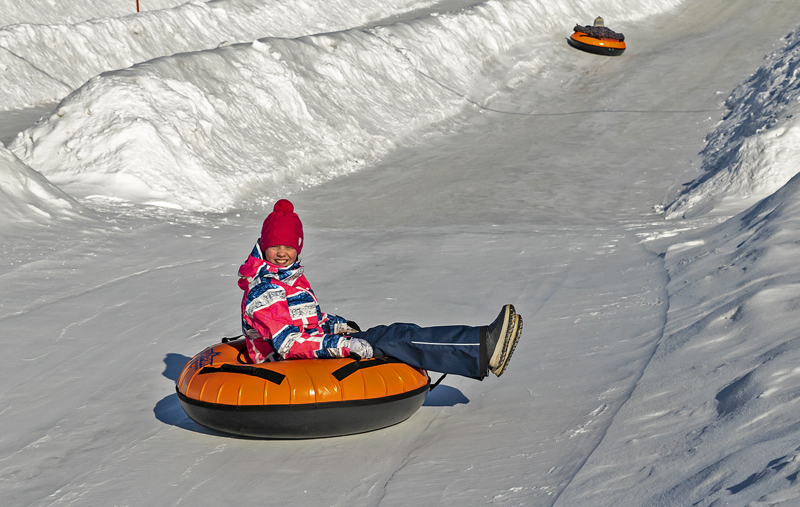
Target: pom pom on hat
<point x="282" y="227"/>
<point x="284" y="206"/>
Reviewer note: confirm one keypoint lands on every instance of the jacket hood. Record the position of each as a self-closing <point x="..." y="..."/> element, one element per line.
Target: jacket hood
<point x="255" y="268"/>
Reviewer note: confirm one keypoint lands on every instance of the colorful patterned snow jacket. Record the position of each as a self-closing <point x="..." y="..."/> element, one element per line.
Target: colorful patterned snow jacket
<point x="280" y="313"/>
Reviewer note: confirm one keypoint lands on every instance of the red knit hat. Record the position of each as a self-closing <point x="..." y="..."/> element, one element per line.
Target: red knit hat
<point x="282" y="227"/>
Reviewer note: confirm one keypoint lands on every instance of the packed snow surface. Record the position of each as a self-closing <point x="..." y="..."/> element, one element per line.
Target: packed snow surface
<point x="496" y="164"/>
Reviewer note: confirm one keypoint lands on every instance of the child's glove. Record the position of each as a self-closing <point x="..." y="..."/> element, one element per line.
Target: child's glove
<point x="360" y="349"/>
<point x="352" y="327"/>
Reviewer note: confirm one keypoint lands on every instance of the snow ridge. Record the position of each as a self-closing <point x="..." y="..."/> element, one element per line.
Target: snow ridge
<point x="713" y="417"/>
<point x="26" y="197"/>
<point x="13" y="12"/>
<point x="755" y="149"/>
<point x="48" y="61"/>
<point x="296" y="112"/>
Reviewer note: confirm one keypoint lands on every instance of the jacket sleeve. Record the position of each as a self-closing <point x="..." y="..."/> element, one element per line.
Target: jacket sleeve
<point x="301" y="345"/>
<point x="333" y="324"/>
<point x="267" y="314"/>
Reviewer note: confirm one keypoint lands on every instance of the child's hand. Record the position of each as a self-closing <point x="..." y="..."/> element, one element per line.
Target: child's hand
<point x="360" y="348"/>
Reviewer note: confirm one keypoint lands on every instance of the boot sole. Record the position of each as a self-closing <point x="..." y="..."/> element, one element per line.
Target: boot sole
<point x="509" y="346"/>
<point x="505" y="335"/>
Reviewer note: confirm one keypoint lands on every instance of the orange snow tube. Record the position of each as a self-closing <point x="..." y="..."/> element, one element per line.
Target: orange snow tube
<point x="608" y="47"/>
<point x="303" y="398"/>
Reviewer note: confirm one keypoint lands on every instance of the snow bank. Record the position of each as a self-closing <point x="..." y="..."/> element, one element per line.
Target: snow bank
<point x="220" y="128"/>
<point x="44" y="63"/>
<point x="716" y="416"/>
<point x="756" y="148"/>
<point x="27" y="197"/>
<point x="59" y="11"/>
<point x="714" y="419"/>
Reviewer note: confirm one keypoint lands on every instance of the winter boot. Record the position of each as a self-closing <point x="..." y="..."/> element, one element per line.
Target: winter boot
<point x="511" y="345"/>
<point x="502" y="337"/>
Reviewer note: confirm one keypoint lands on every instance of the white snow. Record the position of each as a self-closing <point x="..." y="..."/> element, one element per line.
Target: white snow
<point x="212" y="129"/>
<point x="756" y="149"/>
<point x="27" y="196"/>
<point x="714" y="418"/>
<point x="52" y="11"/>
<point x="442" y="165"/>
<point x="42" y="63"/>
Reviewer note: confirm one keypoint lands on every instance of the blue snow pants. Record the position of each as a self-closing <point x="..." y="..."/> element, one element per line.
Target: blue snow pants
<point x="460" y="350"/>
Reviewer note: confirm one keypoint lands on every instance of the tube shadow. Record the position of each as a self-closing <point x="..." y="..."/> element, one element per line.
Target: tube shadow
<point x="169" y="410"/>
<point x="445" y="396"/>
<point x="173" y="365"/>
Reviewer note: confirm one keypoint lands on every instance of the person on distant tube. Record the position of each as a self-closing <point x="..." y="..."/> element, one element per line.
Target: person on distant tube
<point x="599" y="30"/>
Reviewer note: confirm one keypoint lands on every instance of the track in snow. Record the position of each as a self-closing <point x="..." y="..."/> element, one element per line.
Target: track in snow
<point x="545" y="206"/>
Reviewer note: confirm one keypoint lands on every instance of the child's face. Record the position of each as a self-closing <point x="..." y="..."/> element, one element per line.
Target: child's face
<point x="281" y="255"/>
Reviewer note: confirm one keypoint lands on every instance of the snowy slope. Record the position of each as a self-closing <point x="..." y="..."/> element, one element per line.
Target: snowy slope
<point x="27" y="197"/>
<point x="43" y="63"/>
<point x="756" y="149"/>
<point x="53" y="11"/>
<point x="214" y="129"/>
<point x="642" y="379"/>
<point x="714" y="420"/>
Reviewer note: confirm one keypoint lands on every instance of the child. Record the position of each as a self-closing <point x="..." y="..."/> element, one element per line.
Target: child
<point x="281" y="318"/>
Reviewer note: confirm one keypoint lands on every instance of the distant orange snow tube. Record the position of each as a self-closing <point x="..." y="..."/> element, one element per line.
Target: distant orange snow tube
<point x="303" y="398"/>
<point x="608" y="47"/>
